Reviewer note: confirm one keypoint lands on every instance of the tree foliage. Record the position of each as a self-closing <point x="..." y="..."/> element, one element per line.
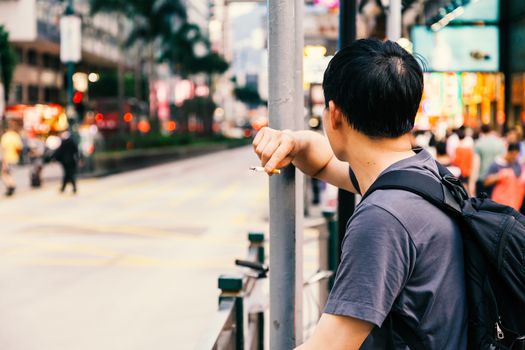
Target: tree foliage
<point x="248" y="95"/>
<point x="179" y="50"/>
<point x="8" y="61"/>
<point x="152" y="20"/>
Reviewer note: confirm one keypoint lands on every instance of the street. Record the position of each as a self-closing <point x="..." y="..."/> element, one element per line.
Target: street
<point x="132" y="261"/>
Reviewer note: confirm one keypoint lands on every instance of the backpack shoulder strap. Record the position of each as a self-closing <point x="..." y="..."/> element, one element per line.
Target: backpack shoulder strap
<point x="424" y="186"/>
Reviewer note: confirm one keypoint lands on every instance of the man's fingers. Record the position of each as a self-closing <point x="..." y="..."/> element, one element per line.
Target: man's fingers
<point x="285" y="162"/>
<point x="278" y="157"/>
<point x="262" y="146"/>
<point x="258" y="137"/>
<point x="268" y="151"/>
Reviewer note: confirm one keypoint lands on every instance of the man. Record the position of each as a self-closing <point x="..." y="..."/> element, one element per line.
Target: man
<point x="11" y="143"/>
<point x="504" y="178"/>
<point x="402" y="258"/>
<point x="67" y="155"/>
<point x="486" y="149"/>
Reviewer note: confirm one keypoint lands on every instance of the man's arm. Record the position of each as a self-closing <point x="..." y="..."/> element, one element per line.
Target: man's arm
<point x="309" y="151"/>
<point x="338" y="333"/>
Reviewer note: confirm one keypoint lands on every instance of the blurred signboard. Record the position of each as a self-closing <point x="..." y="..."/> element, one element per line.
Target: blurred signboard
<point x="321" y="24"/>
<point x="458" y="49"/>
<point x="19" y="18"/>
<point x="331" y="4"/>
<point x="70" y="39"/>
<point x="486" y="11"/>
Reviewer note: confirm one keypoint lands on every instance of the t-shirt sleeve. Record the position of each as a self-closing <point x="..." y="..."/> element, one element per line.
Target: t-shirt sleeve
<point x="377" y="258"/>
<point x="493" y="169"/>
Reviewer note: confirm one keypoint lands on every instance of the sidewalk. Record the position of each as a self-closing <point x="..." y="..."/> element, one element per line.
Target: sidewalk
<point x="51" y="174"/>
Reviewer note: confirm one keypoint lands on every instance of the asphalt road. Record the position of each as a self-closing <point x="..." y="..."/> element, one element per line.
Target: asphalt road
<point x="132" y="261"/>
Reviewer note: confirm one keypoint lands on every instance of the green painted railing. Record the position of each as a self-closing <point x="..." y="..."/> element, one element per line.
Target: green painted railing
<point x="228" y="329"/>
<point x="234" y="326"/>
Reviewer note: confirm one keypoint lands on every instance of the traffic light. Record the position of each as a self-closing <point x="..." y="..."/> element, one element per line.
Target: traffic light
<point x="78" y="102"/>
<point x="78" y="97"/>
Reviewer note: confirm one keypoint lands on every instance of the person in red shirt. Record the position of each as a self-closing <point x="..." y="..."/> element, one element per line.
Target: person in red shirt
<point x="505" y="175"/>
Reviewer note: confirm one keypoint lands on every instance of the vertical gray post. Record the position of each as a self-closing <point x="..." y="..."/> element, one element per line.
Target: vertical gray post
<point x="393" y="21"/>
<point x="282" y="187"/>
<point x="299" y="177"/>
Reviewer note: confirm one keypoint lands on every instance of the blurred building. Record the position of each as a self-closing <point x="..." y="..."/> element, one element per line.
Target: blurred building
<point x="34" y="31"/>
<point x="473" y="53"/>
<point x="516" y="60"/>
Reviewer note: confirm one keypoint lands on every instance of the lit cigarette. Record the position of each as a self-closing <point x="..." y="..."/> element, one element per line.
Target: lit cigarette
<point x="260" y="169"/>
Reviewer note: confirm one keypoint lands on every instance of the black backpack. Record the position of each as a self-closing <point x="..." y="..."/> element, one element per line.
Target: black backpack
<point x="494" y="250"/>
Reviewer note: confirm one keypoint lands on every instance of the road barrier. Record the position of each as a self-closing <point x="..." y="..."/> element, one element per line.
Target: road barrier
<point x="239" y="321"/>
<point x="333" y="243"/>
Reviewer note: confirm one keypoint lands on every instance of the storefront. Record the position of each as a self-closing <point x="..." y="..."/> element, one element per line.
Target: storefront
<point x="40" y="119"/>
<point x="451" y="100"/>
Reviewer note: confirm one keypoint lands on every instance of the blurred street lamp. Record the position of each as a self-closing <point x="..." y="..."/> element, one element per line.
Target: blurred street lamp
<point x="70" y="52"/>
<point x="93" y="77"/>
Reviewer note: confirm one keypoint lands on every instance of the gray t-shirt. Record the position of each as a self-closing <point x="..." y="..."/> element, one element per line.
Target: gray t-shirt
<point x="488" y="148"/>
<point x="403" y="254"/>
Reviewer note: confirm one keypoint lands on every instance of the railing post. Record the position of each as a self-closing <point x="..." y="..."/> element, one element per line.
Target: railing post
<point x="333" y="244"/>
<point x="257" y="245"/>
<point x="231" y="288"/>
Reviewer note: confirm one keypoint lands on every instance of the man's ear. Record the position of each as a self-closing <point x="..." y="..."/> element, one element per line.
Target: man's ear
<point x="335" y="115"/>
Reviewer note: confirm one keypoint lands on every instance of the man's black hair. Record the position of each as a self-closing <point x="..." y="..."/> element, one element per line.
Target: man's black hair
<point x="513" y="147"/>
<point x="485" y="128"/>
<point x="377" y="85"/>
<point x="441" y="148"/>
<point x="461" y="133"/>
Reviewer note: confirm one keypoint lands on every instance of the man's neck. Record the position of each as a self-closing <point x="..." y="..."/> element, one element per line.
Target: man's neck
<point x="369" y="158"/>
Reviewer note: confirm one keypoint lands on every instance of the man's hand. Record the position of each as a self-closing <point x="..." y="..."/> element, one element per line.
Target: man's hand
<point x="309" y="151"/>
<point x="275" y="148"/>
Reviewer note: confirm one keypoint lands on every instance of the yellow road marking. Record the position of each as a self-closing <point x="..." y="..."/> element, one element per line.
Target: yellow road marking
<point x="189" y="194"/>
<point x="224" y="195"/>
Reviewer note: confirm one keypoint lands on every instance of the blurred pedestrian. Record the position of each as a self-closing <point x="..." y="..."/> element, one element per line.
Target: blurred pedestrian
<point x="464" y="154"/>
<point x="505" y="176"/>
<point x="452" y="140"/>
<point x="11" y="145"/>
<point x="37" y="149"/>
<point x="515" y="135"/>
<point x="67" y="155"/>
<point x="487" y="148"/>
<point x="444" y="159"/>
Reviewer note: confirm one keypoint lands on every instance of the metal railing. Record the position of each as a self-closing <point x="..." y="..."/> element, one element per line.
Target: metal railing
<point x="238" y="323"/>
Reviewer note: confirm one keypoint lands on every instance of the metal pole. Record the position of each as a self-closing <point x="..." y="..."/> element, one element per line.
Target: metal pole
<point x="347" y="27"/>
<point x="70" y="110"/>
<point x="393" y="31"/>
<point x="299" y="176"/>
<point x="282" y="187"/>
<point x="347" y="35"/>
<point x="505" y="60"/>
